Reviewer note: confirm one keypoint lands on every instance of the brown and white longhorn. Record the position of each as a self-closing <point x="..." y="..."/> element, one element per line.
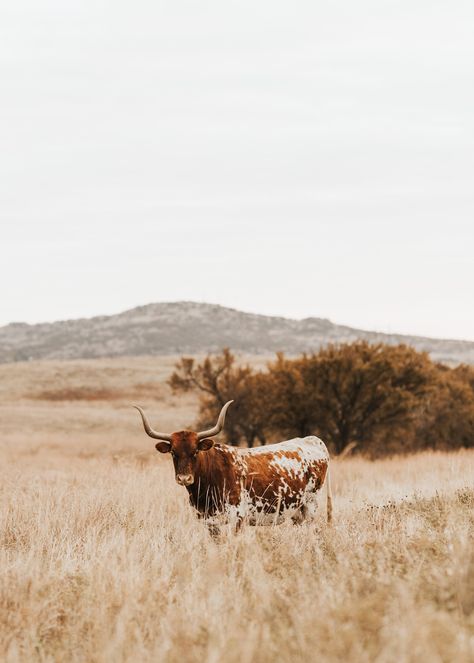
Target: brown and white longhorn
<point x="262" y="485"/>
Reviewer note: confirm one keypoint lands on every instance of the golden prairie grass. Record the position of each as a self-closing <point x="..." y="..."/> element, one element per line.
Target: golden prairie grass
<point x="102" y="559"/>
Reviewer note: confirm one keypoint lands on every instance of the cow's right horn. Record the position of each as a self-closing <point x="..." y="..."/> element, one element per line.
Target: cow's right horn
<point x="149" y="429"/>
<point x="218" y="427"/>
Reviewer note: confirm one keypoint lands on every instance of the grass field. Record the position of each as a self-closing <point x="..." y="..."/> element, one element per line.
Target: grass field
<point x="101" y="558"/>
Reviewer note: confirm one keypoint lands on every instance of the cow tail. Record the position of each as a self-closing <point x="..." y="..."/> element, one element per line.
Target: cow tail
<point x="328" y="496"/>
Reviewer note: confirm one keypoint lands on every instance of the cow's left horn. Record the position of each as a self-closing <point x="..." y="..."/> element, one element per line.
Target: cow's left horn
<point x="149" y="429"/>
<point x="218" y="427"/>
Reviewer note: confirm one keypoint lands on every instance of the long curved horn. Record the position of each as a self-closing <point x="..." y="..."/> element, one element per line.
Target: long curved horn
<point x="149" y="429"/>
<point x="218" y="427"/>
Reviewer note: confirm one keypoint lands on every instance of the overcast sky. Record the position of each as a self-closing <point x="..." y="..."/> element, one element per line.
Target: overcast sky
<point x="294" y="158"/>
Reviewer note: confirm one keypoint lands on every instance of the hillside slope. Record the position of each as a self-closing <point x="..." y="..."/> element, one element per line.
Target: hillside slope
<point x="191" y="328"/>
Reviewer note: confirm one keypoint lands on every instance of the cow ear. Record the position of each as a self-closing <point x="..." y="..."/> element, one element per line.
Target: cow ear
<point x="163" y="447"/>
<point x="206" y="444"/>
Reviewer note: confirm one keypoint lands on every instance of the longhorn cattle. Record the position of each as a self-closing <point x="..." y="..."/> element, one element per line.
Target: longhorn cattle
<point x="263" y="485"/>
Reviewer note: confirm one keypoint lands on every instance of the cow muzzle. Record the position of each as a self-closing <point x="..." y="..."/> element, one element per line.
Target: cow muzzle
<point x="184" y="479"/>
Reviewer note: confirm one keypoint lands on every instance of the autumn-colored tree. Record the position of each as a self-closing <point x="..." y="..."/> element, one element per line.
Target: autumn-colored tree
<point x="381" y="398"/>
<point x="291" y="394"/>
<point x="218" y="379"/>
<point x="349" y="394"/>
<point x="448" y="419"/>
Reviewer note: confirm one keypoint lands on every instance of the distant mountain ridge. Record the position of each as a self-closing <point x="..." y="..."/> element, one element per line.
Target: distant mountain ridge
<point x="192" y="328"/>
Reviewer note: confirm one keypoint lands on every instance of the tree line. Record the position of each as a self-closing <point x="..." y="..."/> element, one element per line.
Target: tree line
<point x="379" y="399"/>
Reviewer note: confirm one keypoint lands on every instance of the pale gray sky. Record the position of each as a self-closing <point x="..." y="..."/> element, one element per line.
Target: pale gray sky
<point x="295" y="158"/>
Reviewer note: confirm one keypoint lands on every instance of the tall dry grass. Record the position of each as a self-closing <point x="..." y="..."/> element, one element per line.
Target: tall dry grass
<point x="102" y="559"/>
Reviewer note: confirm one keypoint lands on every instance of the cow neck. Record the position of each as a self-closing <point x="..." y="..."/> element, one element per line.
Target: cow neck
<point x="213" y="471"/>
<point x="210" y="466"/>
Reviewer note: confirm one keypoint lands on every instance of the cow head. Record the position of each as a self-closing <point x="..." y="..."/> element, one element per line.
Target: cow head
<point x="185" y="445"/>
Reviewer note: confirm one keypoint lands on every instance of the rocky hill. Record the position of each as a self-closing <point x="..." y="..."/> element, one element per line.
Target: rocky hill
<point x="191" y="328"/>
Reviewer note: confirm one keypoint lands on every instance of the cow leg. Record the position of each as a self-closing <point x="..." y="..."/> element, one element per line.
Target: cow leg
<point x="299" y="516"/>
<point x="238" y="524"/>
<point x="214" y="530"/>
